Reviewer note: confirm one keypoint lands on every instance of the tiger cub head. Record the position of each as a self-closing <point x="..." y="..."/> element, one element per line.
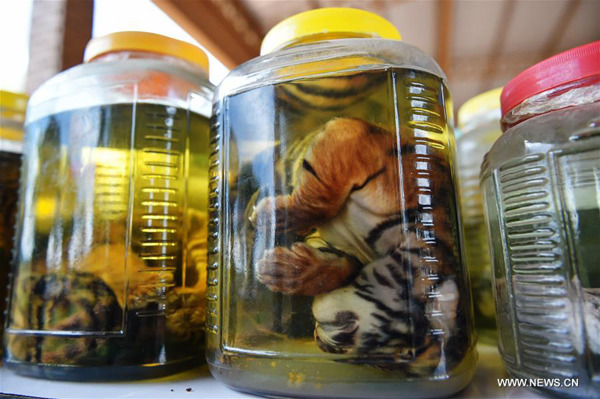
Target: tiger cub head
<point x="338" y="328"/>
<point x="338" y="336"/>
<point x="356" y="328"/>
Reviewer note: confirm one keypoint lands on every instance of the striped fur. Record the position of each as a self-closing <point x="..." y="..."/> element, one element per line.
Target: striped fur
<point x="381" y="269"/>
<point x="327" y="94"/>
<point x="97" y="294"/>
<point x="63" y="302"/>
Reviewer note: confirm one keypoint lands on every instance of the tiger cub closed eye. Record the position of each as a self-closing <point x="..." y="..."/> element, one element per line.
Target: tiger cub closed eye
<point x="380" y="288"/>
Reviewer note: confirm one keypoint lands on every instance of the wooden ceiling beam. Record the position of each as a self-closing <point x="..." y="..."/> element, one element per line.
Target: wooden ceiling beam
<point x="560" y="28"/>
<point x="60" y="30"/>
<point x="445" y="22"/>
<point x="79" y="17"/>
<point x="470" y="68"/>
<point x="225" y="28"/>
<point x="313" y="4"/>
<point x="502" y="29"/>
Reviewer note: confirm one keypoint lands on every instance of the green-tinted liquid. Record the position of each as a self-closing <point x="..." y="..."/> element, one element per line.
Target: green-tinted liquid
<point x="10" y="165"/>
<point x="263" y="341"/>
<point x="109" y="279"/>
<point x="478" y="261"/>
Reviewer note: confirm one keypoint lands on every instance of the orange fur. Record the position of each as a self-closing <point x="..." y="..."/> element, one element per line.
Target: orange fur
<point x="311" y="272"/>
<point x="349" y="157"/>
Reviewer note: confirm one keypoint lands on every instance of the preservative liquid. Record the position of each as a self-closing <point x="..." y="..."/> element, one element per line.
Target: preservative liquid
<point x="308" y="301"/>
<point x="10" y="165"/>
<point x="109" y="277"/>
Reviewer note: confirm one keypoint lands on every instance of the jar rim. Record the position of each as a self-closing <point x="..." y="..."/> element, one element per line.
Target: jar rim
<point x="145" y="42"/>
<point x="566" y="67"/>
<point x="321" y="21"/>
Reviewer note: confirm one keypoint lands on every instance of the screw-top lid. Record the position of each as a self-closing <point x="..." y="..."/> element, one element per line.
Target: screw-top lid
<point x="571" y="65"/>
<point x="148" y="42"/>
<point x="350" y="21"/>
<point x="479" y="105"/>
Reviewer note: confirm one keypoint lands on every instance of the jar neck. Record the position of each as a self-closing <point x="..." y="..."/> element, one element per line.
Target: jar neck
<point x="579" y="92"/>
<point x="139" y="55"/>
<point x="319" y="37"/>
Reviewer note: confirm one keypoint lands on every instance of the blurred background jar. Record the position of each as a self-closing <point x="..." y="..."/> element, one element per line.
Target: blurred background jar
<point x="541" y="185"/>
<point x="478" y="128"/>
<point x="12" y="117"/>
<point x="335" y="263"/>
<point x="109" y="275"/>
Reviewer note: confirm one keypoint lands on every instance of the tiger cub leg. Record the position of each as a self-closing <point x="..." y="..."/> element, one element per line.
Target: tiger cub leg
<point x="305" y="270"/>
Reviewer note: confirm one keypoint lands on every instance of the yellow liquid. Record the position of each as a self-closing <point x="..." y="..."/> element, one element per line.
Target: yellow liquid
<point x="262" y="341"/>
<point x="110" y="272"/>
<point x="10" y="164"/>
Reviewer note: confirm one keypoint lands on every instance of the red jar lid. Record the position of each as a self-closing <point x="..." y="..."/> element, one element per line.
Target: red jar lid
<point x="578" y="63"/>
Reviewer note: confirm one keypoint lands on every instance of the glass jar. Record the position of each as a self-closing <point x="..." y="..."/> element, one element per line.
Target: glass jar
<point x="12" y="117"/>
<point x="479" y="127"/>
<point x="334" y="242"/>
<point x="541" y="185"/>
<point x="109" y="276"/>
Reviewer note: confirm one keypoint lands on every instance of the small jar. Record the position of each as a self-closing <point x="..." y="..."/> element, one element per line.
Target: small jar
<point x="335" y="264"/>
<point x="109" y="273"/>
<point x="479" y="127"/>
<point x="541" y="186"/>
<point x="12" y="117"/>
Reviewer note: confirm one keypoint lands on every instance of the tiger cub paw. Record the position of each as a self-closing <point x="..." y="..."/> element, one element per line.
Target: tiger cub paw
<point x="303" y="270"/>
<point x="292" y="271"/>
<point x="271" y="212"/>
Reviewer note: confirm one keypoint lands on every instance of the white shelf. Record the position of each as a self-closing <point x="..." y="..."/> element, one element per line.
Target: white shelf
<point x="178" y="386"/>
<point x="198" y="383"/>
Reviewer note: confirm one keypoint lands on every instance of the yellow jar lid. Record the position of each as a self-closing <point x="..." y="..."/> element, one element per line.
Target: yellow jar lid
<point x="144" y="41"/>
<point x="321" y="21"/>
<point x="16" y="102"/>
<point x="480" y="104"/>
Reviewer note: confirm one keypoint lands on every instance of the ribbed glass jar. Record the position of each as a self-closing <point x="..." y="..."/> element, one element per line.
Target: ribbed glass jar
<point x="541" y="185"/>
<point x="109" y="277"/>
<point x="479" y="127"/>
<point x="12" y="118"/>
<point x="335" y="265"/>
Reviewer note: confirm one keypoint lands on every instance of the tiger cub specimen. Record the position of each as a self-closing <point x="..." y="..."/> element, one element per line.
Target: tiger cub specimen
<point x="97" y="294"/>
<point x="378" y="258"/>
